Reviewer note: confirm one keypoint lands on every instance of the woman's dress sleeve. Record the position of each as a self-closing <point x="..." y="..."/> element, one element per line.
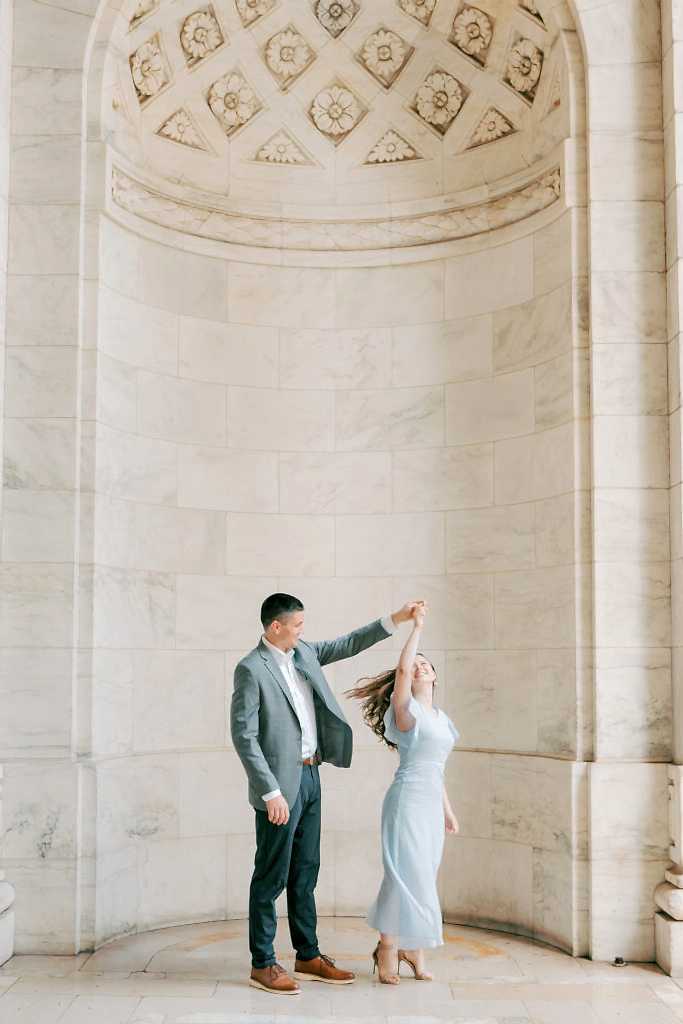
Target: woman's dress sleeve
<point x="392" y="731"/>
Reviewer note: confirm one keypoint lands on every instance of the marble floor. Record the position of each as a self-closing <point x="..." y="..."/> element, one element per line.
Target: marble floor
<point x="197" y="975"/>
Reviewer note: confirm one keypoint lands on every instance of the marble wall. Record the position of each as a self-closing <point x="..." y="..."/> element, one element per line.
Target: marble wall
<point x="630" y="474"/>
<point x="354" y="436"/>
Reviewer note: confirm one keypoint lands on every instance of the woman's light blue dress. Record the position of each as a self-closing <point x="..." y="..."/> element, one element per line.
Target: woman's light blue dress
<point x="413" y="830"/>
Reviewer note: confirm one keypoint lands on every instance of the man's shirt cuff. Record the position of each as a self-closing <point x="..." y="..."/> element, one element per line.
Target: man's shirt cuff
<point x="388" y="624"/>
<point x="271" y="796"/>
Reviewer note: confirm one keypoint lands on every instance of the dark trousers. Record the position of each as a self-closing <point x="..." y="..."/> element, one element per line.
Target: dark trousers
<point x="287" y="856"/>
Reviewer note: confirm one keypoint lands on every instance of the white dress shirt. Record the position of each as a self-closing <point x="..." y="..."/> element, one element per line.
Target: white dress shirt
<point x="302" y="697"/>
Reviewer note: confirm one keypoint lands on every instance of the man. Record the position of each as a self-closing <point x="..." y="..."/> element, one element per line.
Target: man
<point x="284" y="722"/>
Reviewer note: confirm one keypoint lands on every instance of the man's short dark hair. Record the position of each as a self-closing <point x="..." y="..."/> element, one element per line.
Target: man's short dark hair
<point x="277" y="605"/>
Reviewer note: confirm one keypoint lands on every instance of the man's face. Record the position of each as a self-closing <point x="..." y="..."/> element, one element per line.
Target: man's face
<point x="288" y="629"/>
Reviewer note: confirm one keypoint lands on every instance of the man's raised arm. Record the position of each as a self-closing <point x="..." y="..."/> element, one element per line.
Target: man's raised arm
<point x="360" y="639"/>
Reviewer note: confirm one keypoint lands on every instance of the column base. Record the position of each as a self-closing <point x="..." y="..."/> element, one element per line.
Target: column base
<point x="669" y="944"/>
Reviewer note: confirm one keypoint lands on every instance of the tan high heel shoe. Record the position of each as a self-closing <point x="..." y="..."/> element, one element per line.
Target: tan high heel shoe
<point x="386" y="979"/>
<point x="418" y="975"/>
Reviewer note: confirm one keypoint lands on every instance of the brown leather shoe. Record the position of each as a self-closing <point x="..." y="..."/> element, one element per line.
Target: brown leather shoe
<point x="274" y="979"/>
<point x="321" y="968"/>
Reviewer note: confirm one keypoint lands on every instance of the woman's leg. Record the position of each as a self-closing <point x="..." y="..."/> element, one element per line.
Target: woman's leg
<point x="387" y="958"/>
<point x="416" y="957"/>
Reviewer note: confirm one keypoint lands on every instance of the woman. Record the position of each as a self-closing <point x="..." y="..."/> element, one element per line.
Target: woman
<point x="416" y="813"/>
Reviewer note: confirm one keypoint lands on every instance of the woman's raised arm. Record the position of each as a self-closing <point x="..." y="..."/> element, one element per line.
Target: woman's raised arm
<point x="404" y="673"/>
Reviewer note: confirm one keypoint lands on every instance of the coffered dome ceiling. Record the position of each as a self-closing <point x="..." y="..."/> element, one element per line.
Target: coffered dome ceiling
<point x="332" y="103"/>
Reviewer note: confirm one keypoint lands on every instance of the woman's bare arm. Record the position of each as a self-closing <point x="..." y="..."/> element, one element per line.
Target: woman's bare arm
<point x="404" y="671"/>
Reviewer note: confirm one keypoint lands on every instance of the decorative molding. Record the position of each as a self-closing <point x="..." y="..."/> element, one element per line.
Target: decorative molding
<point x="149" y="70"/>
<point x="283" y="149"/>
<point x="251" y="11"/>
<point x="530" y="7"/>
<point x="384" y="55"/>
<point x="233" y="102"/>
<point x="200" y="35"/>
<point x="181" y="127"/>
<point x="524" y="64"/>
<point x="392" y="148"/>
<point x="437" y="225"/>
<point x="336" y="111"/>
<point x="335" y="15"/>
<point x="472" y="33"/>
<point x="142" y="10"/>
<point x="554" y="93"/>
<point x="493" y="126"/>
<point x="438" y="100"/>
<point x="288" y="55"/>
<point x="421" y="10"/>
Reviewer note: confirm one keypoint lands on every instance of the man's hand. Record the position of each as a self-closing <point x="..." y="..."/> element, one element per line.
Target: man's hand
<point x="407" y="612"/>
<point x="278" y="810"/>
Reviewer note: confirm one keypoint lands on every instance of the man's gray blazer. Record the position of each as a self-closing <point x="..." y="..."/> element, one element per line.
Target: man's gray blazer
<point x="264" y="725"/>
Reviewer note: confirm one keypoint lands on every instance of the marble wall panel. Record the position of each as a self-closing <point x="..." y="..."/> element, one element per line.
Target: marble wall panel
<point x="440" y="353"/>
<point x="134" y="609"/>
<point x="39" y="454"/>
<point x="535" y="609"/>
<point x="169" y="894"/>
<point x="282" y="296"/>
<point x="137" y="800"/>
<point x="489" y="280"/>
<point x="219" y="613"/>
<point x="632" y="524"/>
<point x="489" y="410"/>
<point x="40" y="382"/>
<point x="339" y="482"/>
<point x="490" y="883"/>
<point x="178" y="540"/>
<point x="279" y="545"/>
<point x="533" y="332"/>
<point x="213" y="795"/>
<point x="633" y="604"/>
<point x="181" y="410"/>
<point x="399" y="418"/>
<point x="441" y="479"/>
<point x="267" y="420"/>
<point x="410" y="294"/>
<point x="39" y="812"/>
<point x="238" y="354"/>
<point x="491" y="697"/>
<point x="404" y="543"/>
<point x="136" y="468"/>
<point x="355" y="358"/>
<point x="490" y="540"/>
<point x="229" y="479"/>
<point x="35" y="685"/>
<point x="137" y="334"/>
<point x="629" y="380"/>
<point x="46" y="893"/>
<point x="117" y="394"/>
<point x="38" y="526"/>
<point x="628" y="307"/>
<point x="178" y="700"/>
<point x="41" y="310"/>
<point x="633" y="703"/>
<point x="36" y="602"/>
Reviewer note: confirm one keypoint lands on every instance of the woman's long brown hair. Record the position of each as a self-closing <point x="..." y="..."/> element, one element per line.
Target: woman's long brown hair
<point x="375" y="692"/>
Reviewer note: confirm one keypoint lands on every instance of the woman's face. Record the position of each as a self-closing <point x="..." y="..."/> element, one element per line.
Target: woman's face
<point x="424" y="676"/>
